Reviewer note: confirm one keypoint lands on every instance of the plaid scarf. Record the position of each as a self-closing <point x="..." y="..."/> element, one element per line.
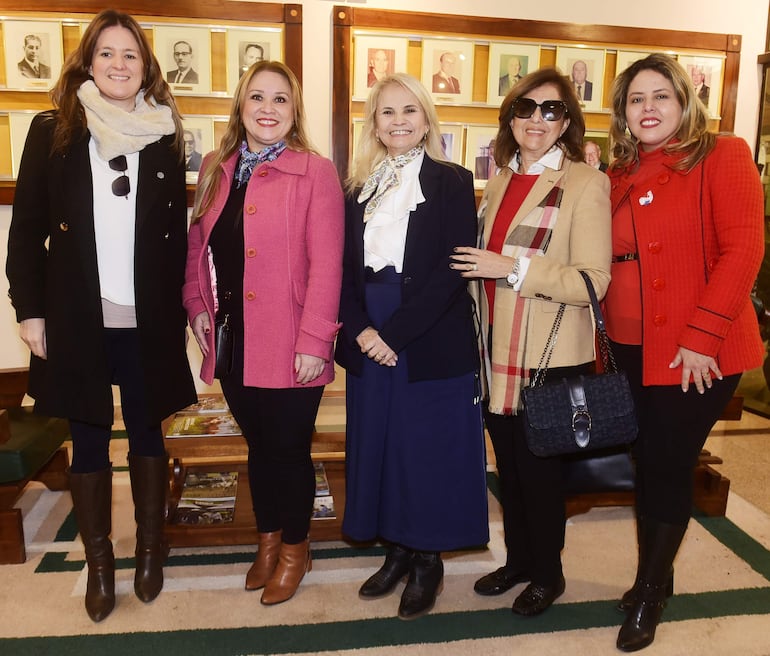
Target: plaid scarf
<point x="249" y="161"/>
<point x="506" y="366"/>
<point x="385" y="177"/>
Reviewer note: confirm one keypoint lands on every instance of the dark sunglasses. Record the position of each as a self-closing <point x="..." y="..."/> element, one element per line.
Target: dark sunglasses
<point x="550" y="110"/>
<point x="121" y="185"/>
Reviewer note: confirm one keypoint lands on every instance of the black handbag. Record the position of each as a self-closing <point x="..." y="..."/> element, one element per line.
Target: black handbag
<point x="223" y="344"/>
<point x="580" y="413"/>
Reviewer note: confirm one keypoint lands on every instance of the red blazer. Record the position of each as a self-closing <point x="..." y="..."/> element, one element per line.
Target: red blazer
<point x="700" y="243"/>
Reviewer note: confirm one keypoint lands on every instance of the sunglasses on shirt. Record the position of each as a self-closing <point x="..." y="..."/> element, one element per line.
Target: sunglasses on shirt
<point x="121" y="185"/>
<point x="550" y="110"/>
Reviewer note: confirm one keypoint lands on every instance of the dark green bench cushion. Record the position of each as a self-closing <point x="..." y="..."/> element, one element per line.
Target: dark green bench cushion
<point x="34" y="439"/>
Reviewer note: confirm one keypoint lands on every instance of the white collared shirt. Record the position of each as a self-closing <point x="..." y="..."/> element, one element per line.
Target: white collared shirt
<point x="551" y="160"/>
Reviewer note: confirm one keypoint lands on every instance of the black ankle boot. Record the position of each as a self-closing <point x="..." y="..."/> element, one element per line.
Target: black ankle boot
<point x="385" y="579"/>
<point x="638" y="630"/>
<point x="426" y="576"/>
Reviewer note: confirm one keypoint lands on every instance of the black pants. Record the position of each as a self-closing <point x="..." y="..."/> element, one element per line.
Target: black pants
<point x="91" y="442"/>
<point x="673" y="427"/>
<point x="532" y="495"/>
<point x="278" y="427"/>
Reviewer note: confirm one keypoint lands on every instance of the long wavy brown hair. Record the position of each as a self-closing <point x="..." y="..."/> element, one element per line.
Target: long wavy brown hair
<point x="71" y="124"/>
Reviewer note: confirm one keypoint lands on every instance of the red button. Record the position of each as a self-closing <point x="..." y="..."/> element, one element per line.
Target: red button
<point x="263" y="173"/>
<point x="251" y="252"/>
<point x="658" y="284"/>
<point x="659" y="320"/>
<point x="250" y="296"/>
<point x="654" y="247"/>
<point x="663" y="178"/>
<point x="251" y="209"/>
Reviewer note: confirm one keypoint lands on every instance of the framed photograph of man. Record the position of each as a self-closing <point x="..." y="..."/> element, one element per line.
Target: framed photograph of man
<point x="596" y="149"/>
<point x="508" y="63"/>
<point x="706" y="76"/>
<point x="184" y="53"/>
<point x="374" y="58"/>
<point x="447" y="70"/>
<point x="452" y="140"/>
<point x="480" y="153"/>
<point x="627" y="57"/>
<point x="33" y="54"/>
<point x="198" y="135"/>
<point x="584" y="68"/>
<point x="245" y="47"/>
<point x="18" y="123"/>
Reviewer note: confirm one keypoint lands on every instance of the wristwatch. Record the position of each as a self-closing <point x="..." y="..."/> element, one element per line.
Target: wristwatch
<point x="513" y="277"/>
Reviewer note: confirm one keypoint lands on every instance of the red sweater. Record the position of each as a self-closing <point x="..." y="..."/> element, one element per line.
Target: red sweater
<point x="700" y="239"/>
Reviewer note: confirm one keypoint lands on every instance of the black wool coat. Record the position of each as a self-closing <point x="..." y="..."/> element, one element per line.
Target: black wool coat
<point x="52" y="271"/>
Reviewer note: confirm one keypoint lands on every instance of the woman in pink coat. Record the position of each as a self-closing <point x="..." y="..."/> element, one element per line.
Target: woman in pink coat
<point x="687" y="238"/>
<point x="265" y="255"/>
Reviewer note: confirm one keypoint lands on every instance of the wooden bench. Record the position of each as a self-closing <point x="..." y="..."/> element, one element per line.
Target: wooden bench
<point x="30" y="449"/>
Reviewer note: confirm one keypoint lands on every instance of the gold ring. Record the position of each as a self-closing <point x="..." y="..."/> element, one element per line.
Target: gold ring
<point x="475" y="267"/>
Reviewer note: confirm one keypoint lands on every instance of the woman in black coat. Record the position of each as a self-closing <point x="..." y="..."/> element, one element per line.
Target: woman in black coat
<point x="96" y="255"/>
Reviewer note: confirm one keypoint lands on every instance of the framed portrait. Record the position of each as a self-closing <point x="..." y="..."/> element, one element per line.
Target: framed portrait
<point x="480" y="153"/>
<point x="33" y="54"/>
<point x="198" y="135"/>
<point x="627" y="57"/>
<point x="358" y="128"/>
<point x="584" y="67"/>
<point x="452" y="141"/>
<point x="447" y="70"/>
<point x="508" y="63"/>
<point x="374" y="57"/>
<point x="245" y="47"/>
<point x="600" y="139"/>
<point x="184" y="53"/>
<point x="18" y="123"/>
<point x="706" y="76"/>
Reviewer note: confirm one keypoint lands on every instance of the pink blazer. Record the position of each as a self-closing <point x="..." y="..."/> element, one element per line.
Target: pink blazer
<point x="293" y="220"/>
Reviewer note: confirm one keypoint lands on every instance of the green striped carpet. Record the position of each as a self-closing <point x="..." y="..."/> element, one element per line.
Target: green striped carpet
<point x="722" y="605"/>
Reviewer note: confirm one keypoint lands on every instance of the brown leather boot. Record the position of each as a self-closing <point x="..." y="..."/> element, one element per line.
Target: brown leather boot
<point x="293" y="561"/>
<point x="92" y="501"/>
<point x="265" y="561"/>
<point x="149" y="488"/>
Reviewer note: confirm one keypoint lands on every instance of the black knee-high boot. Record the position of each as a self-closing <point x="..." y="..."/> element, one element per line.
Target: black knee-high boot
<point x="149" y="488"/>
<point x="662" y="544"/>
<point x="92" y="502"/>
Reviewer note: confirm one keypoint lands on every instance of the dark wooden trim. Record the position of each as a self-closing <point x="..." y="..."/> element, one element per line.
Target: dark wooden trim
<point x="348" y="18"/>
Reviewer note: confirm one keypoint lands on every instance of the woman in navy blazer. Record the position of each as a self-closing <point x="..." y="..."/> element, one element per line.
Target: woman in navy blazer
<point x="415" y="450"/>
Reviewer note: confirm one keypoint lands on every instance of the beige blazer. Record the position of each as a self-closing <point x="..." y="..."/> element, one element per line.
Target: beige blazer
<point x="581" y="240"/>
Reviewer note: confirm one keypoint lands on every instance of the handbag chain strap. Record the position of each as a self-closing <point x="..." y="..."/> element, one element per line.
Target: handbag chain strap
<point x="605" y="351"/>
<point x="545" y="359"/>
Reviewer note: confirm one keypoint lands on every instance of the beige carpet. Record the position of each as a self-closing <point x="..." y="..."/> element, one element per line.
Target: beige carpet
<point x="722" y="605"/>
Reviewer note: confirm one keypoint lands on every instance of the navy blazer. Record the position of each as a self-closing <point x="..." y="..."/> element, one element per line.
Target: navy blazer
<point x="434" y="324"/>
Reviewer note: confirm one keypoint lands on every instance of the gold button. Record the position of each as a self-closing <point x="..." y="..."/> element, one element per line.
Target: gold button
<point x="64" y="226"/>
<point x="250" y="296"/>
<point x="250" y="209"/>
<point x="251" y="252"/>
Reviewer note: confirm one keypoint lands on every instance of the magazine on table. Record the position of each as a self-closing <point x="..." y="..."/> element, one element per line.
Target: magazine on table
<point x="207" y="498"/>
<point x="323" y="507"/>
<point x="203" y="425"/>
<point x="215" y="404"/>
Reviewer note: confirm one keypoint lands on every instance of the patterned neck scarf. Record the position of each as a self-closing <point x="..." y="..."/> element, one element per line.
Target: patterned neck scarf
<point x="249" y="161"/>
<point x="384" y="178"/>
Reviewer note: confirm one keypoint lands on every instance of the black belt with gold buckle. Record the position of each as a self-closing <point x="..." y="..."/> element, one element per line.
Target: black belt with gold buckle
<point x="627" y="257"/>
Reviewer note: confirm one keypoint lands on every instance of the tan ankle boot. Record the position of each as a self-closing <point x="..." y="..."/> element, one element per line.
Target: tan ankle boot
<point x="265" y="561"/>
<point x="293" y="561"/>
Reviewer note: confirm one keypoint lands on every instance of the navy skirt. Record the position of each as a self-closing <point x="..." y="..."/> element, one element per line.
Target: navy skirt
<point x="415" y="456"/>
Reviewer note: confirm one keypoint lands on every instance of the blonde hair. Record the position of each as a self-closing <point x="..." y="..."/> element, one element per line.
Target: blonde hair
<point x="71" y="123"/>
<point x="371" y="151"/>
<point x="297" y="139"/>
<point x="694" y="139"/>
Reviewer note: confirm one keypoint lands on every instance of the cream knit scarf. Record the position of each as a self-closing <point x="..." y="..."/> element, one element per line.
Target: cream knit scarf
<point x="118" y="132"/>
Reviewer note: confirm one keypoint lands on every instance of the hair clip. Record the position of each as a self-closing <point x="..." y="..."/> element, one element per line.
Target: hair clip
<point x="646" y="199"/>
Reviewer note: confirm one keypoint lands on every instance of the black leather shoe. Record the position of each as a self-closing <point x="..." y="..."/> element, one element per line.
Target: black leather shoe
<point x="537" y="598"/>
<point x="426" y="576"/>
<point x="499" y="581"/>
<point x="385" y="579"/>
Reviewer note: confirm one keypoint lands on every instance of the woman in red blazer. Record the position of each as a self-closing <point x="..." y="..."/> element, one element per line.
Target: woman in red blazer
<point x="687" y="246"/>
